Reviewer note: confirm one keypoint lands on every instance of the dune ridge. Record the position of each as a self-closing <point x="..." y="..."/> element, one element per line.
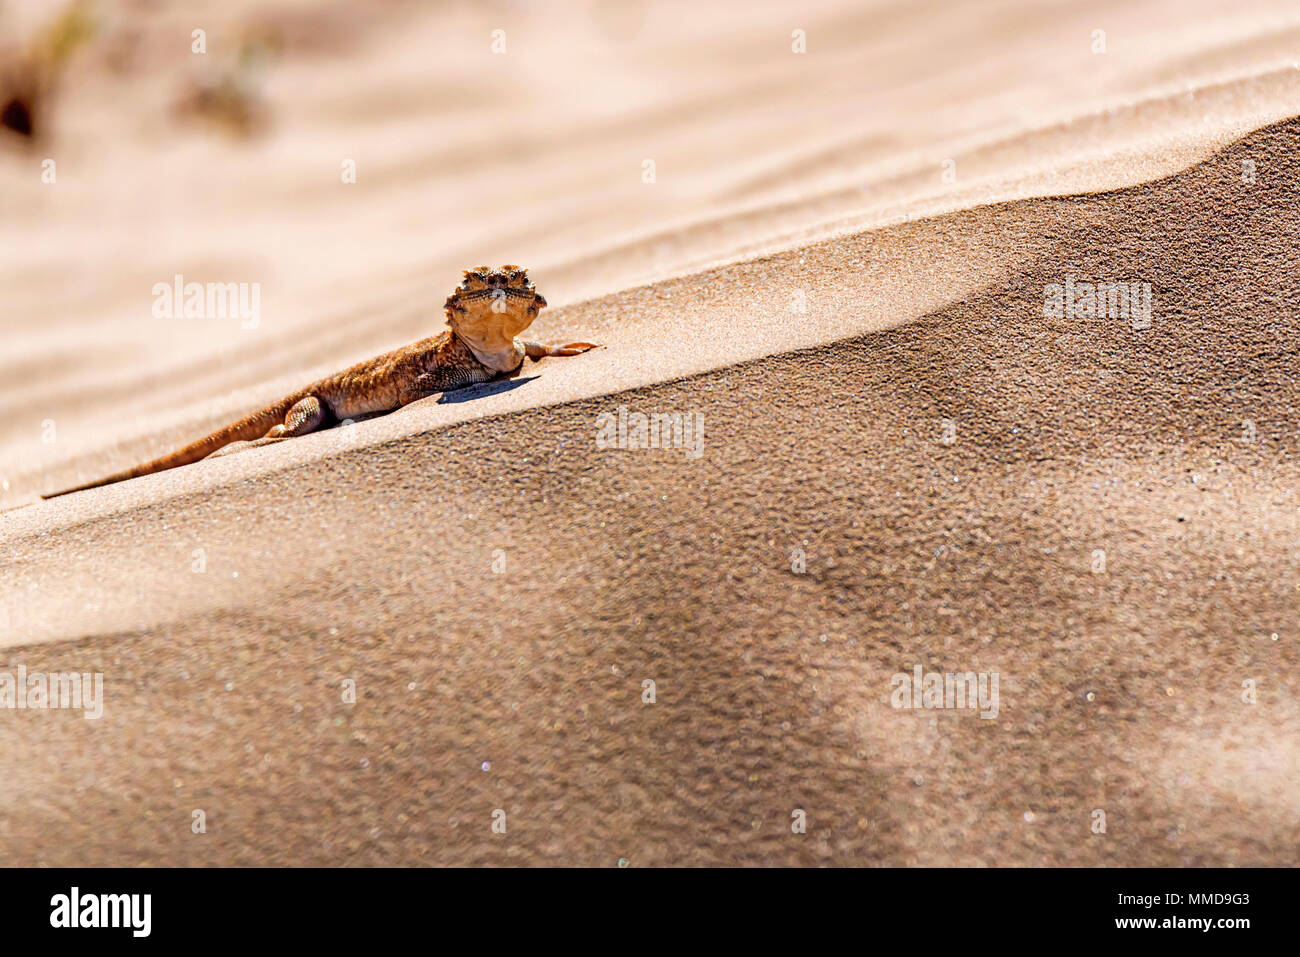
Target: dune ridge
<point x="522" y="690"/>
<point x="764" y="318"/>
<point x="1013" y="94"/>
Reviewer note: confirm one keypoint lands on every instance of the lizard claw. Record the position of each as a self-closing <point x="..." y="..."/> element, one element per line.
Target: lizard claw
<point x="575" y="348"/>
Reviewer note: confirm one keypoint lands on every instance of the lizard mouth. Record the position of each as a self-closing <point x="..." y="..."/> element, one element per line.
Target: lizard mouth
<point x="499" y="293"/>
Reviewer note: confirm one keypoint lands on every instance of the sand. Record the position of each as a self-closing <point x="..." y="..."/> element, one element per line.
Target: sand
<point x="886" y="407"/>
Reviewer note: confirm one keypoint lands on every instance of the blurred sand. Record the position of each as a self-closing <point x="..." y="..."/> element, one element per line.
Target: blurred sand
<point x="802" y="275"/>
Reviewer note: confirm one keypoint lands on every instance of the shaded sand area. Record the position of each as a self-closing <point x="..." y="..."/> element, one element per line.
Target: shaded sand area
<point x="947" y="461"/>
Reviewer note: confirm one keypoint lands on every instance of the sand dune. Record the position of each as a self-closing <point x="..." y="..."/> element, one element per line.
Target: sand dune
<point x="850" y="136"/>
<point x="880" y="390"/>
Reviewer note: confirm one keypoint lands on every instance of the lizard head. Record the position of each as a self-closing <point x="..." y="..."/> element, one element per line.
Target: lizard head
<point x="493" y="303"/>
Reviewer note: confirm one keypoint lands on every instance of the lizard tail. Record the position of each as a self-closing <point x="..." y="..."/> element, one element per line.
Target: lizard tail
<point x="252" y="426"/>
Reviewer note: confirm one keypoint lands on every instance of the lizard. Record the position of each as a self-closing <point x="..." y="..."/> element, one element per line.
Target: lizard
<point x="485" y="314"/>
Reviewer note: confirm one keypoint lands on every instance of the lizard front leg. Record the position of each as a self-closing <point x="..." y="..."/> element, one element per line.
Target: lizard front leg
<point x="443" y="380"/>
<point x="537" y="351"/>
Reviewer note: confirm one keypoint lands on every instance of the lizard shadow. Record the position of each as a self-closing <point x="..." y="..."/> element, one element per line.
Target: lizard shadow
<point x="483" y="389"/>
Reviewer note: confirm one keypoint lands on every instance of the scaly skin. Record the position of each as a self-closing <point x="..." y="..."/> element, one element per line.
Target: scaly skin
<point x="486" y="313"/>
